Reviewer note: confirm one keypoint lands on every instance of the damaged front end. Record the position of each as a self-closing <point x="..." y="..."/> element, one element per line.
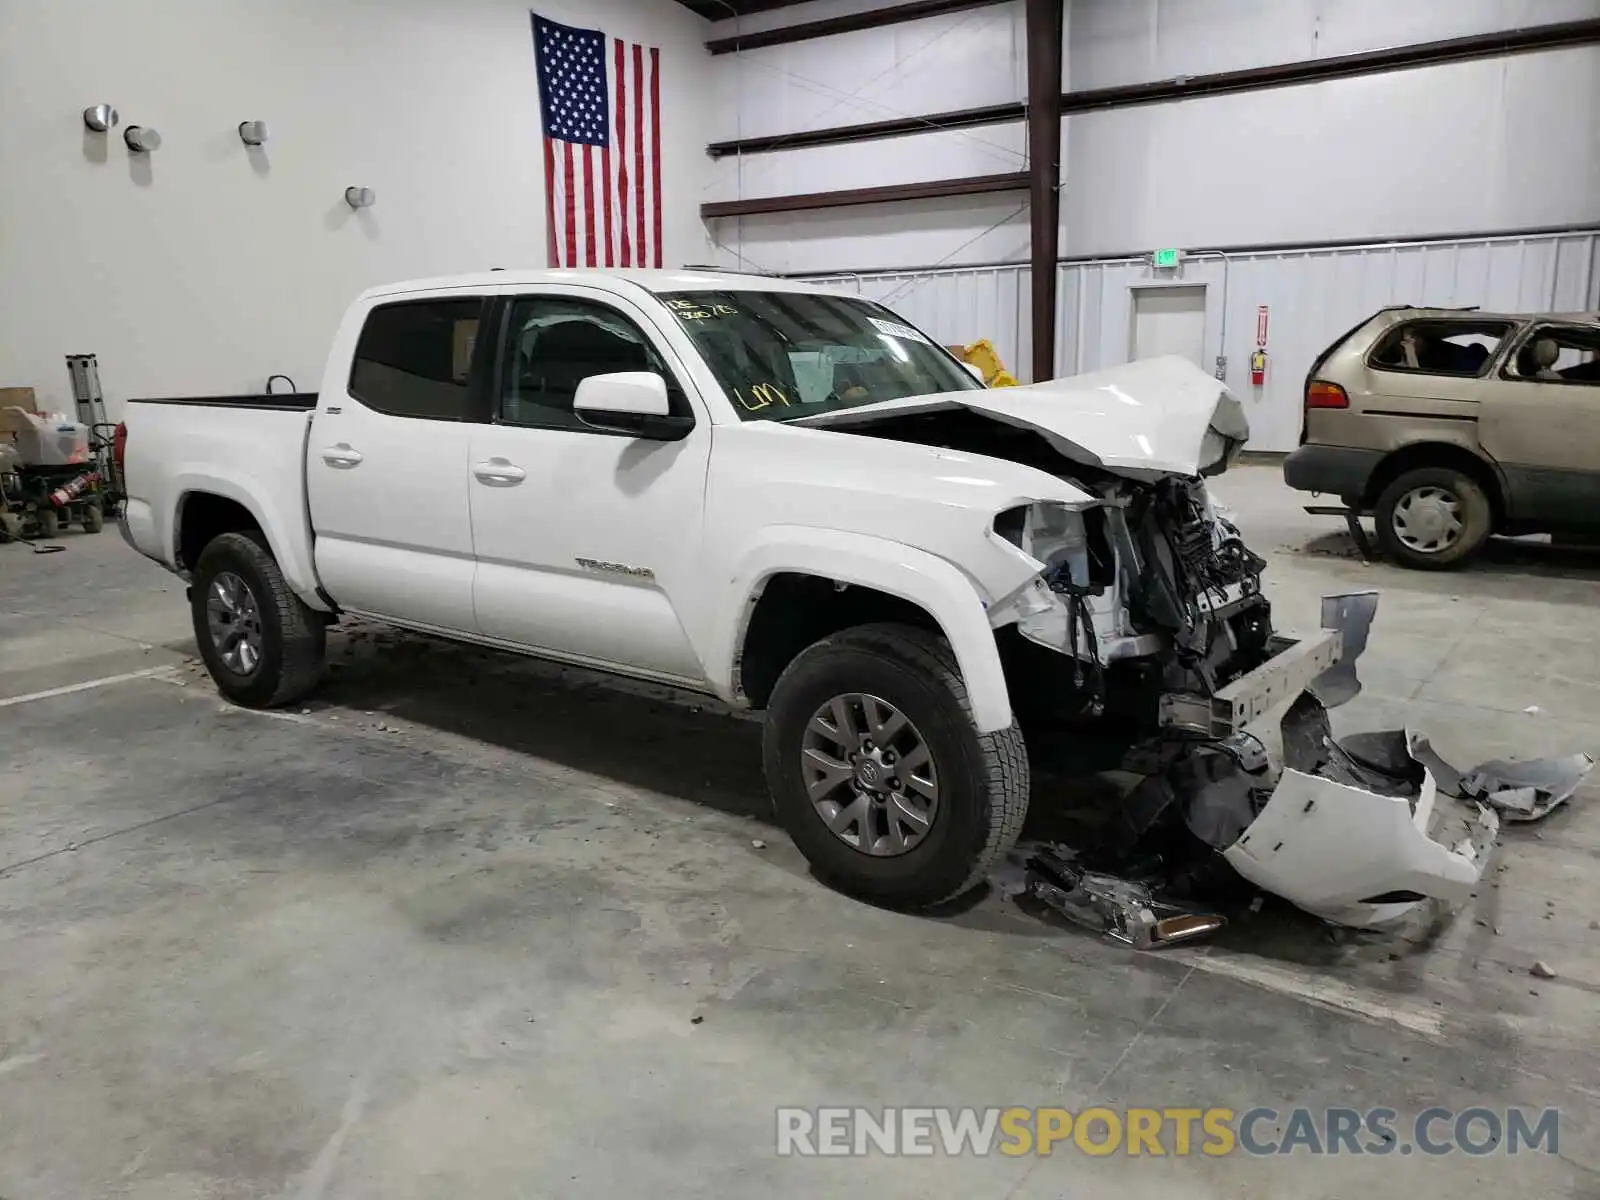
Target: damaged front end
<point x="1165" y="623"/>
<point x="1131" y="623"/>
<point x="1341" y="828"/>
<point x="1157" y="601"/>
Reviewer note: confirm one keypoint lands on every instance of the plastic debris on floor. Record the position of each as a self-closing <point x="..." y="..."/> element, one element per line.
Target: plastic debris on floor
<point x="1348" y="829"/>
<point x="1527" y="791"/>
<point x="1125" y="909"/>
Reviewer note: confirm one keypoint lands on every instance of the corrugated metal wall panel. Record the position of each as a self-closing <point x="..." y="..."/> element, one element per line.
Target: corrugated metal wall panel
<point x="1313" y="297"/>
<point x="957" y="306"/>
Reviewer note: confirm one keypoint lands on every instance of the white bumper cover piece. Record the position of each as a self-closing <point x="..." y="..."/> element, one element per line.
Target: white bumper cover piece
<point x="1357" y="858"/>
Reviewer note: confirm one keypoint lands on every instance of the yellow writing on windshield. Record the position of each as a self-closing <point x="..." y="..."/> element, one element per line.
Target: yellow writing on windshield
<point x="762" y="395"/>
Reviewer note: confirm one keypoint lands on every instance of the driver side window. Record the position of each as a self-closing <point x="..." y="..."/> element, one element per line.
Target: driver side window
<point x="554" y="343"/>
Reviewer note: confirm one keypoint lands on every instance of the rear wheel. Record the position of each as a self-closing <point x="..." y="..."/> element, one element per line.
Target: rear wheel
<point x="878" y="773"/>
<point x="93" y="519"/>
<point x="262" y="645"/>
<point x="49" y="522"/>
<point x="1433" y="518"/>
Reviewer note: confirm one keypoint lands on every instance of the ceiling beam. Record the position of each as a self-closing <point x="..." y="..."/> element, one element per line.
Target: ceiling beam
<point x="838" y="135"/>
<point x="875" y="18"/>
<point x="1044" y="32"/>
<point x="1556" y="36"/>
<point x="975" y="185"/>
<point x="727" y="10"/>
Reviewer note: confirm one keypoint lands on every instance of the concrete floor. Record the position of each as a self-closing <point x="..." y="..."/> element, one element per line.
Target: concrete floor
<point x="446" y="932"/>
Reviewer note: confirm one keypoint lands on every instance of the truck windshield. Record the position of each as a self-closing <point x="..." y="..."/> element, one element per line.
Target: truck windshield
<point x="782" y="355"/>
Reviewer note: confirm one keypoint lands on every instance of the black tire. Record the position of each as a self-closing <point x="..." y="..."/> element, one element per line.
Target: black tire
<point x="93" y="519"/>
<point x="293" y="637"/>
<point x="49" y="522"/>
<point x="983" y="778"/>
<point x="1477" y="518"/>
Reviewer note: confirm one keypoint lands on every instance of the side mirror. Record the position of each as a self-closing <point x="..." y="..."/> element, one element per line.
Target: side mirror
<point x="976" y="372"/>
<point x="630" y="402"/>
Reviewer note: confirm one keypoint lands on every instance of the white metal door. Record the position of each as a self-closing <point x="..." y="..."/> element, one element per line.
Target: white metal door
<point x="1169" y="320"/>
<point x="386" y="468"/>
<point x="586" y="542"/>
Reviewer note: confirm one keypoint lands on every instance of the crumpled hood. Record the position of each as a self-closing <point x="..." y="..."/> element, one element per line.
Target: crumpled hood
<point x="1159" y="416"/>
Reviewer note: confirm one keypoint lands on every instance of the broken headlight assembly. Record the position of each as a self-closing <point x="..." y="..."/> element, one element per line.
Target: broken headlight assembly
<point x="1069" y="544"/>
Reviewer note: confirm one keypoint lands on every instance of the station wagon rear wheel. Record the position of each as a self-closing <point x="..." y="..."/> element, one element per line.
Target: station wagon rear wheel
<point x="1433" y="518"/>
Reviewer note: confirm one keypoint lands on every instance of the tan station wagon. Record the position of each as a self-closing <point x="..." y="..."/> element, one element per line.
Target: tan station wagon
<point x="1448" y="425"/>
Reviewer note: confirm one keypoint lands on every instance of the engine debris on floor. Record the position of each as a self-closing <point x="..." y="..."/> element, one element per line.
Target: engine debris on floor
<point x="1347" y="829"/>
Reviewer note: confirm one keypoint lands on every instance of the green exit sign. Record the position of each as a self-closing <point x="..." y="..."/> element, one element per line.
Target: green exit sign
<point x="1168" y="257"/>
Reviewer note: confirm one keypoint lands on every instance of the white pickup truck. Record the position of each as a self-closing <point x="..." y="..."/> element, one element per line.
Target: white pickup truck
<point x="762" y="490"/>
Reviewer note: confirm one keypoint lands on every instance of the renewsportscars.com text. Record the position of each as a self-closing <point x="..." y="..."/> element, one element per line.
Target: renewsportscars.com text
<point x="1215" y="1132"/>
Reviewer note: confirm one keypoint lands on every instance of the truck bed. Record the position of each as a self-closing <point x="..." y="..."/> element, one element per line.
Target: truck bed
<point x="247" y="450"/>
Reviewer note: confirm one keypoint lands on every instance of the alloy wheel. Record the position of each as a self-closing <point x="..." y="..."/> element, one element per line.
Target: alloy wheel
<point x="234" y="620"/>
<point x="870" y="775"/>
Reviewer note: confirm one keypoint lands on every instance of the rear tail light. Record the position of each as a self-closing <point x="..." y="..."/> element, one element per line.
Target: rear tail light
<point x="1325" y="395"/>
<point x="119" y="446"/>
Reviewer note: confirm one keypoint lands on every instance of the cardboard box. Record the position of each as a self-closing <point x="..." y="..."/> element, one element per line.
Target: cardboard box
<point x="18" y="397"/>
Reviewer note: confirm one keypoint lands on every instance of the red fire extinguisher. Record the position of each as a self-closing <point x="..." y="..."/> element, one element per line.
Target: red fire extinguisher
<point x="73" y="488"/>
<point x="1258" y="366"/>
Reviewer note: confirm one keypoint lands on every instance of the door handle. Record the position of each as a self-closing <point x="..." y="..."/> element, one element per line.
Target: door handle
<point x="342" y="455"/>
<point x="497" y="472"/>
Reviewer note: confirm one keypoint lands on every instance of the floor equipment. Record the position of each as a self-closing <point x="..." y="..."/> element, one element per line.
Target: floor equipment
<point x="55" y="471"/>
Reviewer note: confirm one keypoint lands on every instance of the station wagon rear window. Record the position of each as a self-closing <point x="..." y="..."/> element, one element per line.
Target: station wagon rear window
<point x="1558" y="354"/>
<point x="1460" y="348"/>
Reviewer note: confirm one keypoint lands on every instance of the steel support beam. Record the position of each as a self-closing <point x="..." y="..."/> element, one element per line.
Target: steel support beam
<point x="973" y="185"/>
<point x="1045" y="25"/>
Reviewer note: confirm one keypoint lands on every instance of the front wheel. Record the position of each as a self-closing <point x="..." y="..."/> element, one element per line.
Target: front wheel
<point x="1433" y="518"/>
<point x="262" y="645"/>
<point x="880" y="776"/>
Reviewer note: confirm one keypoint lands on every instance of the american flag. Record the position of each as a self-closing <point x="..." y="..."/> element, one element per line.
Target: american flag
<point x="600" y="103"/>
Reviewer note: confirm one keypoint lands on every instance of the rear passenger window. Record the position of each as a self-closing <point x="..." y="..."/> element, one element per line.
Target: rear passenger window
<point x="413" y="359"/>
<point x="1460" y="348"/>
<point x="1557" y="354"/>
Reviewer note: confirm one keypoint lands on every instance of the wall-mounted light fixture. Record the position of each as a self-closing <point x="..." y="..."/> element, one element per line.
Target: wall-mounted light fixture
<point x="100" y="117"/>
<point x="253" y="133"/>
<point x="360" y="197"/>
<point x="141" y="139"/>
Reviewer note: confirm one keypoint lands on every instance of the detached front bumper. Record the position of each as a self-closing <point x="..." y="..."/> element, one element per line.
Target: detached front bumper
<point x="1356" y="858"/>
<point x="1321" y="841"/>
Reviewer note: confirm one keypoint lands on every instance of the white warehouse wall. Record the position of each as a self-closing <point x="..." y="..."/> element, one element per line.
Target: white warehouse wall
<point x="206" y="267"/>
<point x="935" y="64"/>
<point x="1498" y="144"/>
<point x="905" y="69"/>
<point x="1427" y="151"/>
<point x="1136" y="41"/>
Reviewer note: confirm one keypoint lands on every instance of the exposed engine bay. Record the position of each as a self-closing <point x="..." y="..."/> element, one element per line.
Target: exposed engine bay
<point x="1150" y="593"/>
